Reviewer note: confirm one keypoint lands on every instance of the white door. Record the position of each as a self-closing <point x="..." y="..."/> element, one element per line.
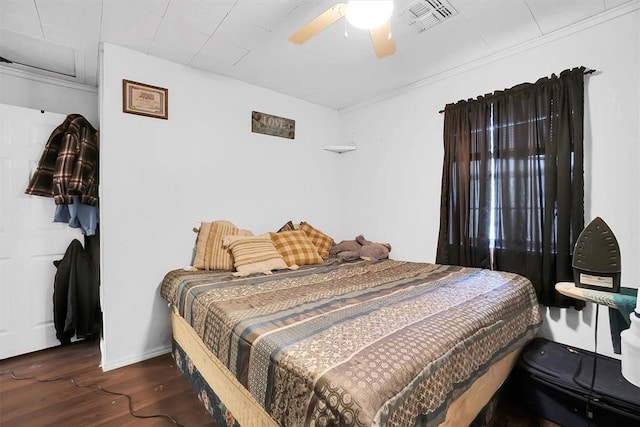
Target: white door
<point x="29" y="239"/>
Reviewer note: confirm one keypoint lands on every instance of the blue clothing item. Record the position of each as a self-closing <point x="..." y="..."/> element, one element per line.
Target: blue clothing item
<point x="619" y="317"/>
<point x="78" y="215"/>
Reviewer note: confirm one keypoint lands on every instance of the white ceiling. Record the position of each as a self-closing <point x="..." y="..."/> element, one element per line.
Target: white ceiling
<point x="247" y="40"/>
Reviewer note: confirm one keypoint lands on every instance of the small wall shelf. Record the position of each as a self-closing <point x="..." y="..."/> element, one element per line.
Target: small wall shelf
<point x="340" y="148"/>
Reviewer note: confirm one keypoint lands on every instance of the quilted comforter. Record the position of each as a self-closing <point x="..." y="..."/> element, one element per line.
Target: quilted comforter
<point x="362" y="343"/>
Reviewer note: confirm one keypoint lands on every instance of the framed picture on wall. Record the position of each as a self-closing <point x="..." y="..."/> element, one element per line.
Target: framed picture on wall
<point x="145" y="100"/>
<point x="269" y="124"/>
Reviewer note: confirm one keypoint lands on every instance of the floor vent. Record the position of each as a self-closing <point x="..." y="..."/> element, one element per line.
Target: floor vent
<point x="424" y="14"/>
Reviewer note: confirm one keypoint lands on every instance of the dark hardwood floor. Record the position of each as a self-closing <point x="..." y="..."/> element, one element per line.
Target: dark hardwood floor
<point x="155" y="386"/>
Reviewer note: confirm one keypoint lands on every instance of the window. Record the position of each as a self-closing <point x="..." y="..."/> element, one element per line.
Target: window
<point x="512" y="185"/>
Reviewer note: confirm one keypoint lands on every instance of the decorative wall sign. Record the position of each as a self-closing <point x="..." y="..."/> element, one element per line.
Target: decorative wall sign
<point x="145" y="100"/>
<point x="272" y="125"/>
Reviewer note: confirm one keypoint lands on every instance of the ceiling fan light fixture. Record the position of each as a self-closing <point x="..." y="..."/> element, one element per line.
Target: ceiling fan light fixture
<point x="369" y="14"/>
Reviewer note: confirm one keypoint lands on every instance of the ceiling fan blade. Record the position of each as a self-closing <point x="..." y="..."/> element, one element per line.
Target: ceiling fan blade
<point x="324" y="20"/>
<point x="382" y="39"/>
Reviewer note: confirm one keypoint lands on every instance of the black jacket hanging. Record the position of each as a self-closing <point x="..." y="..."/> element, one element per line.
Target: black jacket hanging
<point x="76" y="305"/>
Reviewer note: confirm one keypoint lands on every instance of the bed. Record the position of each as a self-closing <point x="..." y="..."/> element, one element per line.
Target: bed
<point x="388" y="343"/>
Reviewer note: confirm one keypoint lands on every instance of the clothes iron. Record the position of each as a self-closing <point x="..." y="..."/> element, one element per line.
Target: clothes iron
<point x="596" y="258"/>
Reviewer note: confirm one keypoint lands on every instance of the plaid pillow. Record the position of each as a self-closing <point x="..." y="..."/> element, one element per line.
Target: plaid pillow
<point x="321" y="241"/>
<point x="296" y="248"/>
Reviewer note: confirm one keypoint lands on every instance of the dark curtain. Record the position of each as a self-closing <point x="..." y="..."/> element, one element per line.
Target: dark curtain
<point x="535" y="162"/>
<point x="465" y="204"/>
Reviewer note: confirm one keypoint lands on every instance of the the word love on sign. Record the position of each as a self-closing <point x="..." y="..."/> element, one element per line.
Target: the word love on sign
<point x="272" y="125"/>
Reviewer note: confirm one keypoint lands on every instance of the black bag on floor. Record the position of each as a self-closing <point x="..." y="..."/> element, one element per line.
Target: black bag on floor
<point x="554" y="381"/>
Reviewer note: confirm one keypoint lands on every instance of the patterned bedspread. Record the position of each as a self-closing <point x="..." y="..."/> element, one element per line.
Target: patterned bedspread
<point x="363" y="343"/>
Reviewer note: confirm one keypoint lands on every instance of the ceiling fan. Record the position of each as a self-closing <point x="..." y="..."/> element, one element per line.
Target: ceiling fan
<point x="372" y="15"/>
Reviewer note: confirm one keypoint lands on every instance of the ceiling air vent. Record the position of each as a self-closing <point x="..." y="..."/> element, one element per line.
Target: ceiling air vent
<point x="424" y="14"/>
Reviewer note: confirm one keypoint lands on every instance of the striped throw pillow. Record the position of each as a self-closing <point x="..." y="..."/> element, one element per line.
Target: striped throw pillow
<point x="210" y="254"/>
<point x="254" y="254"/>
<point x="296" y="248"/>
<point x="321" y="241"/>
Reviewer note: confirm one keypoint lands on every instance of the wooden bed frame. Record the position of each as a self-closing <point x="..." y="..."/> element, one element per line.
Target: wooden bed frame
<point x="247" y="412"/>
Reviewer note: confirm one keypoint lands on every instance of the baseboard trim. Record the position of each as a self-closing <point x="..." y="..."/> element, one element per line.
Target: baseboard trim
<point x="130" y="360"/>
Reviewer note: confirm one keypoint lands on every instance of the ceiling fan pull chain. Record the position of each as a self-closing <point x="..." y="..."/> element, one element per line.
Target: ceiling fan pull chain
<point x="346" y="33"/>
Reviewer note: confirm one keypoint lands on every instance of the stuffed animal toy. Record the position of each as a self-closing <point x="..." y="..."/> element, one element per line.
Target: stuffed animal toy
<point x="373" y="251"/>
<point x="348" y="250"/>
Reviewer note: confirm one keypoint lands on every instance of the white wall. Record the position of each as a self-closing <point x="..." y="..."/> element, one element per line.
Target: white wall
<point x="395" y="174"/>
<point x="29" y="90"/>
<point x="159" y="177"/>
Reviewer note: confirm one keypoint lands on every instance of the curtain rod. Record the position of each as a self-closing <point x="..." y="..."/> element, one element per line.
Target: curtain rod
<point x="587" y="71"/>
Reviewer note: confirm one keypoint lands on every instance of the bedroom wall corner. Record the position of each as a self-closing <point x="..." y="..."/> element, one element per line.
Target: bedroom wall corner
<point x="160" y="177"/>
